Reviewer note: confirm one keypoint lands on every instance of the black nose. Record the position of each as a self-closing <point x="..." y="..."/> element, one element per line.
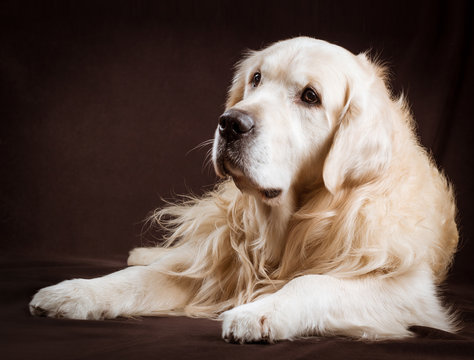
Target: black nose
<point x="234" y="124"/>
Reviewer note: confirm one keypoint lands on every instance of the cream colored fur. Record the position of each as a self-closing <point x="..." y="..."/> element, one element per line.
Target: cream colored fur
<point x="362" y="233"/>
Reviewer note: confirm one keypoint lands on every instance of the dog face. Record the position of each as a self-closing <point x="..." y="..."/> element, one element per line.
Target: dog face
<point x="284" y="107"/>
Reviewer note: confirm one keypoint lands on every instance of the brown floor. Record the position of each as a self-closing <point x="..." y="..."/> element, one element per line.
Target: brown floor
<point x="25" y="337"/>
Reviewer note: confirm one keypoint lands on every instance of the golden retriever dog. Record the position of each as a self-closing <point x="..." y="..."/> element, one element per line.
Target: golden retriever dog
<point x="331" y="218"/>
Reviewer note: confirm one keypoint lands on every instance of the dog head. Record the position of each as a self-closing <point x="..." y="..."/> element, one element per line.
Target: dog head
<point x="299" y="111"/>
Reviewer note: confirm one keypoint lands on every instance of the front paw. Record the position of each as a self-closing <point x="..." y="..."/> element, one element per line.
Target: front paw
<point x="252" y="322"/>
<point x="73" y="299"/>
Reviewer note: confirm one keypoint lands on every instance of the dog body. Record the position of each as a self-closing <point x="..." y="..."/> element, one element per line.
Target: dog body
<point x="333" y="219"/>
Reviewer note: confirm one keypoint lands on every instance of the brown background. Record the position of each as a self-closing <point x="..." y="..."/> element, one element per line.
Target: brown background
<point x="101" y="104"/>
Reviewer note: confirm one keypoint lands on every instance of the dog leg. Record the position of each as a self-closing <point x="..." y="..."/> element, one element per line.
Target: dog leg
<point x="137" y="290"/>
<point x="371" y="308"/>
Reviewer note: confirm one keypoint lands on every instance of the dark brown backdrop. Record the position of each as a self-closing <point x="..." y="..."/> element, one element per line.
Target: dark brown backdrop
<point x="101" y="103"/>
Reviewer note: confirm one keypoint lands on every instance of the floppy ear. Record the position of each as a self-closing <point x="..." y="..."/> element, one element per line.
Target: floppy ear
<point x="362" y="146"/>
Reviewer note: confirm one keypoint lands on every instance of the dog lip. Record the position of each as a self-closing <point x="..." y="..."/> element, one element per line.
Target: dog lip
<point x="244" y="182"/>
<point x="221" y="170"/>
<point x="231" y="170"/>
<point x="271" y="193"/>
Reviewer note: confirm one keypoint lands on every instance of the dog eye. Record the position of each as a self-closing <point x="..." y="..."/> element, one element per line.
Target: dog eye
<point x="256" y="79"/>
<point x="310" y="96"/>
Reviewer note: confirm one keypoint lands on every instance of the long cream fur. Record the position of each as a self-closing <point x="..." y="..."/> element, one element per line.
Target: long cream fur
<point x="362" y="234"/>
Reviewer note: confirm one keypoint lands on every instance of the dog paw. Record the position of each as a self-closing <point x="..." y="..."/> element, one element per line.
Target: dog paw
<point x="73" y="299"/>
<point x="250" y="323"/>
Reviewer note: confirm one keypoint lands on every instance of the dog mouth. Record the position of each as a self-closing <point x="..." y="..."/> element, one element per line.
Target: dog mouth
<point x="245" y="183"/>
<point x="230" y="162"/>
<point x="271" y="193"/>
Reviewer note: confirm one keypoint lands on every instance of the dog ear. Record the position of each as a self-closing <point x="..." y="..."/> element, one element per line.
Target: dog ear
<point x="362" y="146"/>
